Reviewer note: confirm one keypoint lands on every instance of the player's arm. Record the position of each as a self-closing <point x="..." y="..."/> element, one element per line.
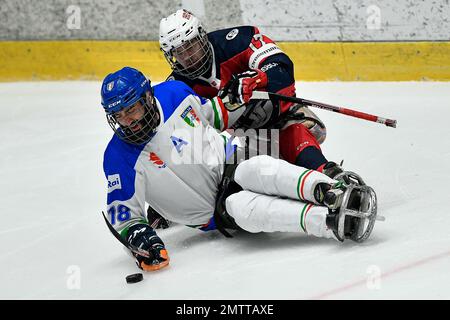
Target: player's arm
<point x="126" y="213"/>
<point x="209" y="111"/>
<point x="218" y="113"/>
<point x="269" y="69"/>
<point x="275" y="70"/>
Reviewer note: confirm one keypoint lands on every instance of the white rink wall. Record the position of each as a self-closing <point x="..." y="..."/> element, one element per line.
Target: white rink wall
<point x="283" y="20"/>
<point x="350" y="20"/>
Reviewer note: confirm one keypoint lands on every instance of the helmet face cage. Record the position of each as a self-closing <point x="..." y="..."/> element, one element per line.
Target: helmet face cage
<point x="148" y="123"/>
<point x="196" y="54"/>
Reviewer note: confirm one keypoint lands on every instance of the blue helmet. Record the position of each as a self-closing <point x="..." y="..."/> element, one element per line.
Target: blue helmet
<point x="124" y="89"/>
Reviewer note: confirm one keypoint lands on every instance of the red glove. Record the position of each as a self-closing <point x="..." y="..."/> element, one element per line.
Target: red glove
<point x="241" y="86"/>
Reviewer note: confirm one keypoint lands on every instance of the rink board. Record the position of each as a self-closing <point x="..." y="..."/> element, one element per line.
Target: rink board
<point x="314" y="61"/>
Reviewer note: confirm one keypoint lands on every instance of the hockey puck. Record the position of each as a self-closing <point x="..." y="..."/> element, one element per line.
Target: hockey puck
<point x="133" y="278"/>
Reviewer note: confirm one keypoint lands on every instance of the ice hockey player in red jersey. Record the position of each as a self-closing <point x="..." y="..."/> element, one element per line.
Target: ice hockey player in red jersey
<point x="244" y="60"/>
<point x="233" y="63"/>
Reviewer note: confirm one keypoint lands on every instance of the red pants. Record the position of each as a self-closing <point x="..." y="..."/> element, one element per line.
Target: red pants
<point x="293" y="141"/>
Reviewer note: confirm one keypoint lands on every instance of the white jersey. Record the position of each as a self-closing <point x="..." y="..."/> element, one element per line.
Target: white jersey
<point x="179" y="170"/>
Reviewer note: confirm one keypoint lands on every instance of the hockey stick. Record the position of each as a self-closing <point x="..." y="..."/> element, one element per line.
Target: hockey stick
<point x="122" y="241"/>
<point x="349" y="112"/>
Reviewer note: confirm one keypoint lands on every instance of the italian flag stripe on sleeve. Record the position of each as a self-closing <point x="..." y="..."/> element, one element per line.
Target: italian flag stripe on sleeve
<point x="224" y="114"/>
<point x="305" y="210"/>
<point x="216" y="115"/>
<point x="301" y="183"/>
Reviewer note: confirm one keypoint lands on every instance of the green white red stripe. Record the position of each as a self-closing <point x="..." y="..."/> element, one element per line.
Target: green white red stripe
<point x="301" y="184"/>
<point x="224" y="114"/>
<point x="305" y="211"/>
<point x="220" y="114"/>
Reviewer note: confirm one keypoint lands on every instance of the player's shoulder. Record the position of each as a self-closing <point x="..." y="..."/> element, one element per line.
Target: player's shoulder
<point x="230" y="35"/>
<point x="230" y="42"/>
<point x="178" y="77"/>
<point x="119" y="165"/>
<point x="170" y="95"/>
<point x="120" y="157"/>
<point x="173" y="89"/>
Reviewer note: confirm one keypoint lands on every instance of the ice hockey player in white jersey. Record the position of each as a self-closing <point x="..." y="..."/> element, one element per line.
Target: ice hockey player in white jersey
<point x="167" y="151"/>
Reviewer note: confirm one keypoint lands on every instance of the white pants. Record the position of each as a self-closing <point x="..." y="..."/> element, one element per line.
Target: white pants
<point x="278" y="196"/>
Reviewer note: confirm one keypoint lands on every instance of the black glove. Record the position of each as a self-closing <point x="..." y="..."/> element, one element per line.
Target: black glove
<point x="155" y="220"/>
<point x="144" y="237"/>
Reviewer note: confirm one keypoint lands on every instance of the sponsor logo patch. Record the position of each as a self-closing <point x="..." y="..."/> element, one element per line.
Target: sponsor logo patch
<point x="232" y="34"/>
<point x="157" y="161"/>
<point x="190" y="117"/>
<point x="268" y="66"/>
<point x="114" y="182"/>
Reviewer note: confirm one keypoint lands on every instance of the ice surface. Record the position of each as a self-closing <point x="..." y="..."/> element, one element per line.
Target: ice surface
<point x="54" y="243"/>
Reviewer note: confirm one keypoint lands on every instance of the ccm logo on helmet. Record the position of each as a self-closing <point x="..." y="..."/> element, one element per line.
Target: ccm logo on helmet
<point x="115" y="103"/>
<point x="114" y="182"/>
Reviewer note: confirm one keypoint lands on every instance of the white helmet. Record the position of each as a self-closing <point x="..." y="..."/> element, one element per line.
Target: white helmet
<point x="185" y="44"/>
